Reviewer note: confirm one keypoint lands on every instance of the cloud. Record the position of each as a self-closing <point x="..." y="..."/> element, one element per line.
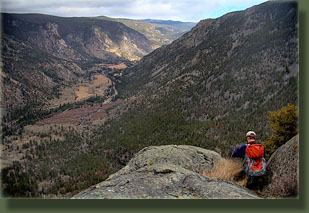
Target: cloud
<point x="185" y="10"/>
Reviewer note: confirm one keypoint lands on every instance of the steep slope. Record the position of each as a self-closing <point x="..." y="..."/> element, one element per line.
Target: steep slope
<point x="159" y="32"/>
<point x="41" y="45"/>
<point x="247" y="47"/>
<point x="232" y="70"/>
<point x="77" y="38"/>
<point x="30" y="78"/>
<point x="42" y="55"/>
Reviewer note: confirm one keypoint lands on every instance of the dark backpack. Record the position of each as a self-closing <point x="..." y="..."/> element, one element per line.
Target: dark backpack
<point x="254" y="162"/>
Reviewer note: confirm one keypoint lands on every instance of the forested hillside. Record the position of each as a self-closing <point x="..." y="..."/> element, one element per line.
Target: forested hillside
<point x="217" y="81"/>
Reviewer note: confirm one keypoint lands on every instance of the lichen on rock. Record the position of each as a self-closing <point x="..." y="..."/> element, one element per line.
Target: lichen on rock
<point x="282" y="171"/>
<point x="174" y="173"/>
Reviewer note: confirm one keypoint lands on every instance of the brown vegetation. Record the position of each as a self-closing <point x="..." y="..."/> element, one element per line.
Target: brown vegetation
<point x="228" y="170"/>
<point x="96" y="87"/>
<point x="118" y="66"/>
<point x="84" y="115"/>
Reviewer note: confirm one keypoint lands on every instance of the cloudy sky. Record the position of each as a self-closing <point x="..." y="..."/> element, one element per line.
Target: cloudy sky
<point x="182" y="10"/>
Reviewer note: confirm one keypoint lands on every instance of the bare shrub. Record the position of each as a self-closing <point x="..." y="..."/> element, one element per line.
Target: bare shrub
<point x="228" y="170"/>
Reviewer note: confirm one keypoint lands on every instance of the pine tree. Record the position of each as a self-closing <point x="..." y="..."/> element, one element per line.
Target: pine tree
<point x="284" y="125"/>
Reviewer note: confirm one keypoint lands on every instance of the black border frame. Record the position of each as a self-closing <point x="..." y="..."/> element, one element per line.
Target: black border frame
<point x="267" y="205"/>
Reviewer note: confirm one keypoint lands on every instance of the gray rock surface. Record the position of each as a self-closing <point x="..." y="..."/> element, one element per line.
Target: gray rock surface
<point x="282" y="175"/>
<point x="167" y="172"/>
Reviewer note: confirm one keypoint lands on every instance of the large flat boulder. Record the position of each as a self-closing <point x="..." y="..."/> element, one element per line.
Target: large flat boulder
<point x="167" y="172"/>
<point x="189" y="157"/>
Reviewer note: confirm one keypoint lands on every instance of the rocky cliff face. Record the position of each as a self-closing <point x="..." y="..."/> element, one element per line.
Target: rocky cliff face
<point x="31" y="75"/>
<point x="77" y="38"/>
<point x="167" y="172"/>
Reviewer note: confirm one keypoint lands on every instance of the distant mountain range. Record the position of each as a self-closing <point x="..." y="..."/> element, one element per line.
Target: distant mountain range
<point x="175" y="25"/>
<point x="159" y="32"/>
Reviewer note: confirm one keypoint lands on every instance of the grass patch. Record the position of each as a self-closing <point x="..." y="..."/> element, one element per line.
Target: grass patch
<point x="96" y="87"/>
<point x="228" y="170"/>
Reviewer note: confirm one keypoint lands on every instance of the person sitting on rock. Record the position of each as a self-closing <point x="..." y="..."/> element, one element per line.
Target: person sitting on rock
<point x="253" y="155"/>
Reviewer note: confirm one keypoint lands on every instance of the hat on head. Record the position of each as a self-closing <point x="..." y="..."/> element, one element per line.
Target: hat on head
<point x="251" y="134"/>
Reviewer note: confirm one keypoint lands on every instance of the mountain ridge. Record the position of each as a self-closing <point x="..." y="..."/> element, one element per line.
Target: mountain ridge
<point x="228" y="71"/>
<point x="159" y="32"/>
<point x="65" y="33"/>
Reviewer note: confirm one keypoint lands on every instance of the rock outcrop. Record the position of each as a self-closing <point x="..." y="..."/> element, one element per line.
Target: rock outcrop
<point x="282" y="169"/>
<point x="167" y="172"/>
